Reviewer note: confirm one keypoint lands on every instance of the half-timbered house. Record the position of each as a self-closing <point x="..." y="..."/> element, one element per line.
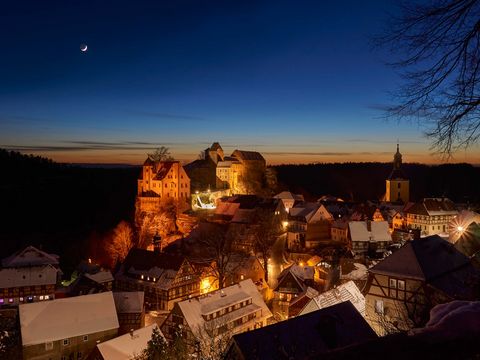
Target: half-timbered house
<point x="402" y="288"/>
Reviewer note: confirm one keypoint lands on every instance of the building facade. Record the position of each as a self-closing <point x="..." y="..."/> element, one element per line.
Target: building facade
<point x="431" y="216"/>
<point x="217" y="315"/>
<point x="403" y="288"/>
<point x="162" y="180"/>
<point x="164" y="278"/>
<point x="67" y="328"/>
<point x="397" y="184"/>
<point x="28" y="276"/>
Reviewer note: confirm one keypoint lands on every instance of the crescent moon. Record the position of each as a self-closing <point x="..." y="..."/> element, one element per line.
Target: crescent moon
<point x="84" y="48"/>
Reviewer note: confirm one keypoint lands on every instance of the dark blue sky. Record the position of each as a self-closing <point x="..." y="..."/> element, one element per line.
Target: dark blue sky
<point x="296" y="80"/>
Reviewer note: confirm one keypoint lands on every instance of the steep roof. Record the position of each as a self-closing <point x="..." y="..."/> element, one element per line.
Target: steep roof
<point x="127" y="346"/>
<point x="433" y="260"/>
<point x="148" y="162"/>
<point x="378" y="231"/>
<point x="129" y="301"/>
<point x="299" y="273"/>
<point x="397" y="174"/>
<point x="194" y="310"/>
<point x="28" y="276"/>
<point x="432" y="207"/>
<point x="141" y="259"/>
<point x="163" y="169"/>
<point x="53" y="320"/>
<point x="247" y="155"/>
<point x="306" y="335"/>
<point x="149" y="267"/>
<point x="344" y="292"/>
<point x="100" y="277"/>
<point x="215" y="146"/>
<point x="30" y="256"/>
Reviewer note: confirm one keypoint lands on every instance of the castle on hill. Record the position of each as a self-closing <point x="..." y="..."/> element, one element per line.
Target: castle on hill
<point x="241" y="172"/>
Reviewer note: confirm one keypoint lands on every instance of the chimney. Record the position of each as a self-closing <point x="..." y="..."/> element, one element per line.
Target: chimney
<point x="369" y="225"/>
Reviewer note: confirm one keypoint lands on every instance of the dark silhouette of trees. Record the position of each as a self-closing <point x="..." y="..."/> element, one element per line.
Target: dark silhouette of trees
<point x="161" y="154"/>
<point x="438" y="43"/>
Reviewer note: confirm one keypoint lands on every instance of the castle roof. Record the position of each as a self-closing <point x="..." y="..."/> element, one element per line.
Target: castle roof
<point x="148" y="162"/>
<point x="215" y="146"/>
<point x="247" y="155"/>
<point x="163" y="169"/>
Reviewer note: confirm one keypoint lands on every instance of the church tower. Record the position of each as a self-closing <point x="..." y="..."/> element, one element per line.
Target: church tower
<point x="397" y="184"/>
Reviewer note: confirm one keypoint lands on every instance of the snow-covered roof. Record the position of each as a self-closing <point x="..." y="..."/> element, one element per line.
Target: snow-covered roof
<point x="345" y="292"/>
<point x="196" y="308"/>
<point x="30" y="256"/>
<point x="359" y="272"/>
<point x="28" y="276"/>
<point x="128" y="346"/>
<point x="227" y="208"/>
<point x="101" y="276"/>
<point x="359" y="231"/>
<point x="287" y="195"/>
<point x="129" y="301"/>
<point x="53" y="320"/>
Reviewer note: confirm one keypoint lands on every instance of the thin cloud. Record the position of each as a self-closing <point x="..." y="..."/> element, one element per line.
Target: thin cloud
<point x="383" y="141"/>
<point x="325" y="153"/>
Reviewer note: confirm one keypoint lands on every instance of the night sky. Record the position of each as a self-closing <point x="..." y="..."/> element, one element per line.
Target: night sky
<point x="295" y="80"/>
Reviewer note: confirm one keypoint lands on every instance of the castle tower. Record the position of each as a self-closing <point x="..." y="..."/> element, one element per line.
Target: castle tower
<point x="397" y="184"/>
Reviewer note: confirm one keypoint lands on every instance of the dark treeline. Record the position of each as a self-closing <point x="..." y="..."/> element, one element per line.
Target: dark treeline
<point x="62" y="208"/>
<point x="69" y="209"/>
<point x="364" y="181"/>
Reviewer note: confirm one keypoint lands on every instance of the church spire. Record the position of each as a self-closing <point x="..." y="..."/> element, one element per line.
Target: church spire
<point x="397" y="159"/>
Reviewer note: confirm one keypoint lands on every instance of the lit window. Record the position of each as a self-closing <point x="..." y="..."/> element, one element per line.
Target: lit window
<point x="21" y="299"/>
<point x="141" y="277"/>
<point x="379" y="307"/>
<point x="242" y="277"/>
<point x="41" y="297"/>
<point x="47" y="297"/>
<point x="66" y="342"/>
<point x="393" y="283"/>
<point x="10" y="300"/>
<point x="1" y="301"/>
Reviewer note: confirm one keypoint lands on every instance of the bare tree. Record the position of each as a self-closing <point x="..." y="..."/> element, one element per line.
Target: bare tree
<point x="252" y="179"/>
<point x="217" y="243"/>
<point x="161" y="154"/>
<point x="266" y="231"/>
<point x="121" y="242"/>
<point x="161" y="222"/>
<point x="438" y="43"/>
